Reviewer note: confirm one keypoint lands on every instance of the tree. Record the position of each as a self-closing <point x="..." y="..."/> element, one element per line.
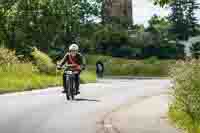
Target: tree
<point x="109" y="38"/>
<point x="159" y="27"/>
<point x="195" y="49"/>
<point x="6" y="33"/>
<point x="90" y="9"/>
<point x="183" y="18"/>
<point x="162" y="2"/>
<point x="41" y="23"/>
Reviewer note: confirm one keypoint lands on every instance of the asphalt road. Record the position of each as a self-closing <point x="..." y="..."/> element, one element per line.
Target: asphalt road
<point x="48" y="111"/>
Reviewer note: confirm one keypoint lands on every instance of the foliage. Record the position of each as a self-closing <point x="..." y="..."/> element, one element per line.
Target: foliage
<point x="185" y="92"/>
<point x="87" y="45"/>
<point x="110" y="37"/>
<point x="7" y="57"/>
<point x="122" y="21"/>
<point x="183" y="18"/>
<point x="43" y="62"/>
<point x="160" y="42"/>
<point x="89" y="9"/>
<point x="159" y="27"/>
<point x="24" y="76"/>
<point x="196" y="50"/>
<point x="42" y="23"/>
<point x="149" y="67"/>
<point x="162" y="2"/>
<point x="142" y="39"/>
<point x="126" y="52"/>
<point x="151" y="60"/>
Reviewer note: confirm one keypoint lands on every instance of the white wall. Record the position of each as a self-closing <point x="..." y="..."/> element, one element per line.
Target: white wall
<point x="189" y="43"/>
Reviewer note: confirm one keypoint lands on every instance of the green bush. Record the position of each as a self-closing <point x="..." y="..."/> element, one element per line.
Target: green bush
<point x="7" y="56"/>
<point x="56" y="54"/>
<point x="43" y="62"/>
<point x="186" y="93"/>
<point x="151" y="60"/>
<point x="92" y="59"/>
<point x="123" y="52"/>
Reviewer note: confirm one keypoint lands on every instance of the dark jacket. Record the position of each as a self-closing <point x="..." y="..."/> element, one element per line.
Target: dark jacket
<point x="97" y="68"/>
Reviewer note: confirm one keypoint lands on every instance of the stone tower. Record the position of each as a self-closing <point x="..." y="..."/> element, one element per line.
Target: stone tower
<point x="117" y="8"/>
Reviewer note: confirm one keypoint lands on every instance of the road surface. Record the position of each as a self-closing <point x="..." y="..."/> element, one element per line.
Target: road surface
<point x="47" y="111"/>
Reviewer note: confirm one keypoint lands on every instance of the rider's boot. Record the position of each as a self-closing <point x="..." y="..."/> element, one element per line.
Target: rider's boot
<point x="77" y="92"/>
<point x="63" y="91"/>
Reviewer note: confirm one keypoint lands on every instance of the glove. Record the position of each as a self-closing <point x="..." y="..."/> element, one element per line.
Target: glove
<point x="83" y="67"/>
<point x="59" y="67"/>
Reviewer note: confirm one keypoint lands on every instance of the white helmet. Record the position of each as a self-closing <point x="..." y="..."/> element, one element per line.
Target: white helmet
<point x="73" y="47"/>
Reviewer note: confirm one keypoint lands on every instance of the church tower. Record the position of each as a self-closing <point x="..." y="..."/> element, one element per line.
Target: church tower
<point x="117" y="8"/>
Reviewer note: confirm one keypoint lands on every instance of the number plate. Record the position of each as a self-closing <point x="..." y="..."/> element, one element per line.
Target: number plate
<point x="69" y="72"/>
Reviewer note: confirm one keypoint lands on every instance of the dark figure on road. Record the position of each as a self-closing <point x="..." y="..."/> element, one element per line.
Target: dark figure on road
<point x="99" y="68"/>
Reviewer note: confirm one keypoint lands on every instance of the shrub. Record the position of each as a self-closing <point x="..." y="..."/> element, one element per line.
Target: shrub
<point x="123" y="52"/>
<point x="151" y="60"/>
<point x="186" y="91"/>
<point x="56" y="54"/>
<point x="92" y="59"/>
<point x="43" y="62"/>
<point x="7" y="56"/>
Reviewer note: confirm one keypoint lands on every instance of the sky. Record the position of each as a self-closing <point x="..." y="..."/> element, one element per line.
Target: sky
<point x="143" y="10"/>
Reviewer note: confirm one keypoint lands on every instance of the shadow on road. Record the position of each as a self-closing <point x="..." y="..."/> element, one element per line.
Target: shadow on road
<point x="89" y="100"/>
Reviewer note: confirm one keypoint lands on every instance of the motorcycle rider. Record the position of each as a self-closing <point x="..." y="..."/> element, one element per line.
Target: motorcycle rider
<point x="74" y="58"/>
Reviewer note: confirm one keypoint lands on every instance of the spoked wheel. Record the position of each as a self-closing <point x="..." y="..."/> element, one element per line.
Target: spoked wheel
<point x="70" y="90"/>
<point x="71" y="95"/>
<point x="67" y="89"/>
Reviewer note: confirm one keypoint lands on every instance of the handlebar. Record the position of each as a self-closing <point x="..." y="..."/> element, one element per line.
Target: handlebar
<point x="65" y="66"/>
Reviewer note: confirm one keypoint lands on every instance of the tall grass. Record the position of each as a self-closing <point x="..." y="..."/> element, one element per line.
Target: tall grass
<point x="22" y="77"/>
<point x="184" y="110"/>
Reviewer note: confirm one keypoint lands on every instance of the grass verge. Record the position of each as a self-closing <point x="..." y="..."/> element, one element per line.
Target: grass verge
<point x="184" y="110"/>
<point x="151" y="67"/>
<point x="22" y="77"/>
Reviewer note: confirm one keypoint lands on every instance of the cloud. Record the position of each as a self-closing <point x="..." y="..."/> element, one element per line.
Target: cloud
<point x="143" y="10"/>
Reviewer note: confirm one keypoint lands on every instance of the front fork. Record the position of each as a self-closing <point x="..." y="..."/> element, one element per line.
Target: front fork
<point x="69" y="82"/>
